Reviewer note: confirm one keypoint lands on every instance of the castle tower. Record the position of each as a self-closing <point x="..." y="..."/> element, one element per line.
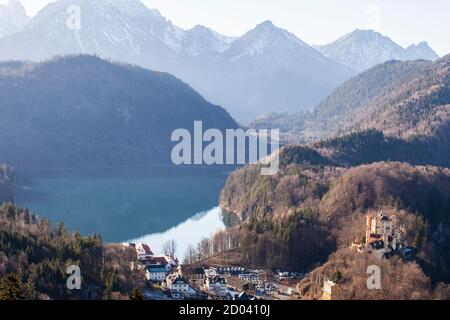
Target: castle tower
<point x="368" y="227"/>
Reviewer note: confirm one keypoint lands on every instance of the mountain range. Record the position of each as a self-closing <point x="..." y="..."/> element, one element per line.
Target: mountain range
<point x="363" y="49"/>
<point x="12" y="18"/>
<point x="81" y="111"/>
<point x="267" y="69"/>
<point x="402" y="99"/>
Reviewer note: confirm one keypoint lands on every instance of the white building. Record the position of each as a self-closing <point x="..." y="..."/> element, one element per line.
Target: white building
<point x="217" y="286"/>
<point x="155" y="273"/>
<point x="158" y="262"/>
<point x="179" y="286"/>
<point x="143" y="252"/>
<point x="327" y="291"/>
<point x="382" y="232"/>
<point x="171" y="261"/>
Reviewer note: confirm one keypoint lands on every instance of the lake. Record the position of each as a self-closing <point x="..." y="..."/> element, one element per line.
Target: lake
<point x="153" y="204"/>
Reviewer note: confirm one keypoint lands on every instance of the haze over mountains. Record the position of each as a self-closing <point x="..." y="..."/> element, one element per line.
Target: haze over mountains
<point x="81" y="111"/>
<point x="395" y="97"/>
<point x="12" y="18"/>
<point x="363" y="49"/>
<point x="267" y="69"/>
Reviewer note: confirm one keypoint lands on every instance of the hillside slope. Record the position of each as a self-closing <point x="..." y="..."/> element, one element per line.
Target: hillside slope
<point x="34" y="257"/>
<point x="300" y="216"/>
<point x="83" y="111"/>
<point x="397" y="111"/>
<point x="402" y="99"/>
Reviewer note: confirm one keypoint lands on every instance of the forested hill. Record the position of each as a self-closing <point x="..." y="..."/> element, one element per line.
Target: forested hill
<point x="299" y="217"/>
<point x="84" y="111"/>
<point x="402" y="99"/>
<point x="7" y="183"/>
<point x="391" y="156"/>
<point x="419" y="106"/>
<point x="34" y="257"/>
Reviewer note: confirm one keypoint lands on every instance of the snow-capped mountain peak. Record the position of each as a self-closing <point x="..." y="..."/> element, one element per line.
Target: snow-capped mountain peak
<point x="266" y="69"/>
<point x="12" y="18"/>
<point x="266" y="25"/>
<point x="201" y="39"/>
<point x="121" y="28"/>
<point x="363" y="49"/>
<point x="264" y="39"/>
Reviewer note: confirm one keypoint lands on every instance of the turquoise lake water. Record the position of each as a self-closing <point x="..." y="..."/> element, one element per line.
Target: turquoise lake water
<point x="123" y="204"/>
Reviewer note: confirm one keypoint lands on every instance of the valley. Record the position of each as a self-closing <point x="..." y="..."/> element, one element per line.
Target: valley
<point x="103" y="166"/>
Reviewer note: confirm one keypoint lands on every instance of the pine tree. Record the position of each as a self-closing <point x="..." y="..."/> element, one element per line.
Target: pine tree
<point x="30" y="286"/>
<point x="136" y="295"/>
<point x="10" y="288"/>
<point x="107" y="293"/>
<point x="26" y="216"/>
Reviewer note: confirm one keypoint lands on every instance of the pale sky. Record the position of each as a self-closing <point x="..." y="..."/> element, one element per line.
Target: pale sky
<point x="314" y="21"/>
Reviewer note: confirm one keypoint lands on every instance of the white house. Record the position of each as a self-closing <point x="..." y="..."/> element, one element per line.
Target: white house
<point x="158" y="262"/>
<point x="179" y="286"/>
<point x="217" y="286"/>
<point x="156" y="273"/>
<point x="171" y="261"/>
<point x="143" y="252"/>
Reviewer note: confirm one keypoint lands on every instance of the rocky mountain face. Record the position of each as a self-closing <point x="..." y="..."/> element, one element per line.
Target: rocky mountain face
<point x="81" y="111"/>
<point x="266" y="69"/>
<point x="273" y="70"/>
<point x="363" y="49"/>
<point x="422" y="51"/>
<point x="12" y="18"/>
<point x="201" y="40"/>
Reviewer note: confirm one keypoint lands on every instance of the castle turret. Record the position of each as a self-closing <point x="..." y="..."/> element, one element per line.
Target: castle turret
<point x="368" y="227"/>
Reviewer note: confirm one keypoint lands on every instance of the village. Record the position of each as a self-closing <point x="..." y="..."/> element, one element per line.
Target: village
<point x="168" y="279"/>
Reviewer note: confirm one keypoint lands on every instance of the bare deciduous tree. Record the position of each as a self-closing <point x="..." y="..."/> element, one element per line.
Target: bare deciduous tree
<point x="170" y="248"/>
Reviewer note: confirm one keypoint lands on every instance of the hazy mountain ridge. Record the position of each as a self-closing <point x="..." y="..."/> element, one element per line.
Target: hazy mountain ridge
<point x="269" y="68"/>
<point x="363" y="49"/>
<point x="202" y="40"/>
<point x="280" y="72"/>
<point x="420" y="106"/>
<point x="422" y="50"/>
<point x="83" y="111"/>
<point x="402" y="99"/>
<point x="13" y="18"/>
